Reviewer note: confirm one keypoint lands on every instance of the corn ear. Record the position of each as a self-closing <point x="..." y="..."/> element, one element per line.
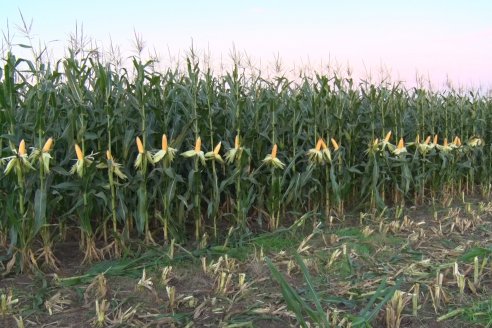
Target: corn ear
<point x="401" y="144"/>
<point x="22" y="148"/>
<point x="47" y="145"/>
<point x="236" y="142"/>
<point x="78" y="151"/>
<point x="217" y="149"/>
<point x="274" y="151"/>
<point x="140" y="146"/>
<point x="196" y="152"/>
<point x="198" y="145"/>
<point x="400" y="148"/>
<point x="164" y="143"/>
<point x="234" y="153"/>
<point x="319" y="144"/>
<point x="215" y="154"/>
<point x="335" y="144"/>
<point x="272" y="159"/>
<point x="387" y="137"/>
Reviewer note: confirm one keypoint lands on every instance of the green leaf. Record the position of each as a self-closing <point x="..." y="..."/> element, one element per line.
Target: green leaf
<point x="40" y="200"/>
<point x="142" y="208"/>
<point x="320" y="315"/>
<point x="475" y="251"/>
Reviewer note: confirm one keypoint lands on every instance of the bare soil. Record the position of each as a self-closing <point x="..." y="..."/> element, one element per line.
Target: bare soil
<point x="412" y="248"/>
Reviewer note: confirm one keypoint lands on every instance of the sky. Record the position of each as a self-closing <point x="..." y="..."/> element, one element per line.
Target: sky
<point x="435" y="40"/>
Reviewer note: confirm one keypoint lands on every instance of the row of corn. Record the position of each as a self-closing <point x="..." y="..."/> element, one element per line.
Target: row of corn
<point x="321" y="145"/>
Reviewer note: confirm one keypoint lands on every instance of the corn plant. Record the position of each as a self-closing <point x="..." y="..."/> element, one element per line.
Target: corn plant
<point x="274" y="204"/>
<point x="144" y="157"/>
<point x="41" y="224"/>
<point x="170" y="179"/>
<point x="213" y="156"/>
<point x="239" y="156"/>
<point x="401" y="174"/>
<point x="195" y="183"/>
<point x="114" y="172"/>
<point x="22" y="230"/>
<point x="332" y="134"/>
<point x="213" y="207"/>
<point x="85" y="169"/>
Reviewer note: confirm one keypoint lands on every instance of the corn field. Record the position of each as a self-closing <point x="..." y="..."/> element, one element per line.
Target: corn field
<point x="112" y="155"/>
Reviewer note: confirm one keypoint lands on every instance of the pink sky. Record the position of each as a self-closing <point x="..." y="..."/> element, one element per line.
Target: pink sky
<point x="435" y="39"/>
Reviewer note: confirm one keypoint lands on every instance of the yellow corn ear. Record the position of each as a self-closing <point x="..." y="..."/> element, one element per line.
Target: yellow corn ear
<point x="198" y="145"/>
<point x="22" y="148"/>
<point x="274" y="151"/>
<point x="388" y="137"/>
<point x="323" y="144"/>
<point x="427" y="140"/>
<point x="140" y="146"/>
<point x="319" y="144"/>
<point x="445" y="142"/>
<point x="164" y="143"/>
<point x="47" y="145"/>
<point x="78" y="151"/>
<point x="236" y="142"/>
<point x="435" y="139"/>
<point x="217" y="148"/>
<point x="108" y="155"/>
<point x="401" y="144"/>
<point x="457" y="141"/>
<point x="334" y="143"/>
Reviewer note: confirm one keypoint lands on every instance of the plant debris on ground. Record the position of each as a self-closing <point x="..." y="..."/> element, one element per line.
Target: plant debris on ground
<point x="425" y="269"/>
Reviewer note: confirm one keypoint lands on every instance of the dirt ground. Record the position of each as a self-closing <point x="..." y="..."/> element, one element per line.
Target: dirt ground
<point x="234" y="287"/>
